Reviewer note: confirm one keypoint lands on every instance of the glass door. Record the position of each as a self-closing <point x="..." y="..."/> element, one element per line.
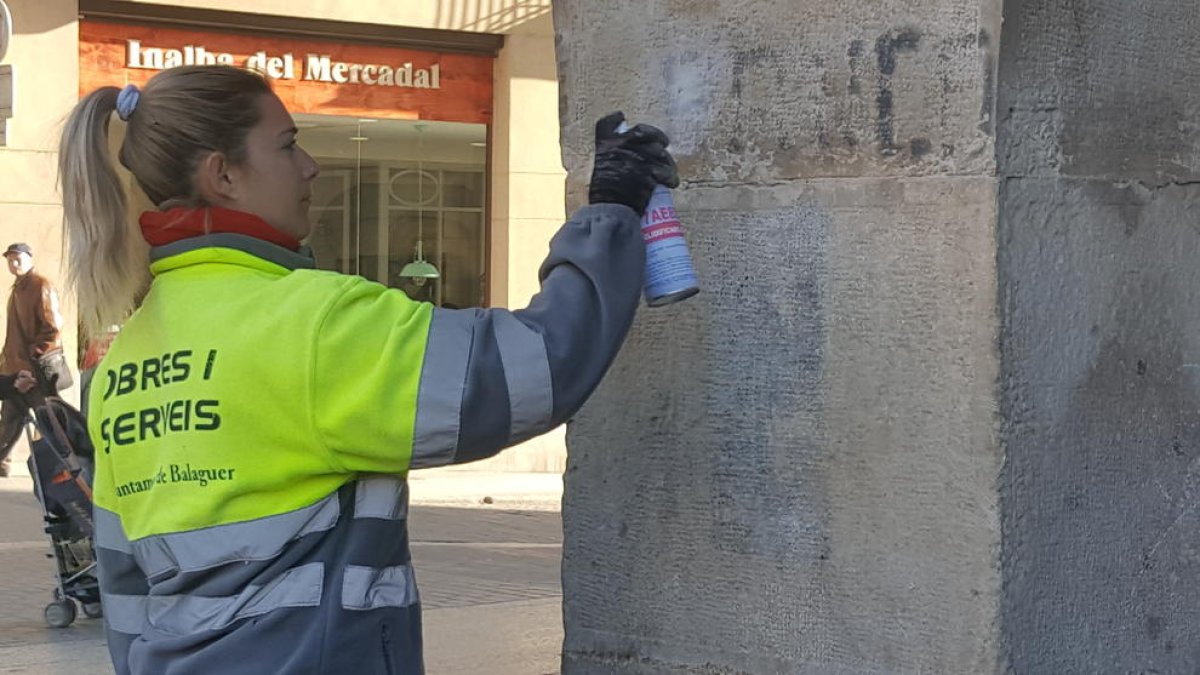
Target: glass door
<point x="387" y="185"/>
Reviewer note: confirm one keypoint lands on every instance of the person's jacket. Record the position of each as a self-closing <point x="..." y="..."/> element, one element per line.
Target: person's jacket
<point x="34" y="325"/>
<point x="255" y="420"/>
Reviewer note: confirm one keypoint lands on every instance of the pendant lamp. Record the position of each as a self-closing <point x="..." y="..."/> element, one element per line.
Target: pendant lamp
<point x="420" y="270"/>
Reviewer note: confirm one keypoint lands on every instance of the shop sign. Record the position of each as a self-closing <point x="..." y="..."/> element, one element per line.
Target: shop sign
<point x="325" y="77"/>
<point x="313" y="67"/>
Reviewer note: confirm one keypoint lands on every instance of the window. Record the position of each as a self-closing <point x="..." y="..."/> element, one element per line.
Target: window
<point x="387" y="185"/>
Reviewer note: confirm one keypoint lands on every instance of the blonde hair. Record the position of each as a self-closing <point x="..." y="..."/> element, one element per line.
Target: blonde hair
<point x="182" y="115"/>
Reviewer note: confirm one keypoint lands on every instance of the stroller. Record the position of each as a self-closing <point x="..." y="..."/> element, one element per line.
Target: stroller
<point x="61" y="461"/>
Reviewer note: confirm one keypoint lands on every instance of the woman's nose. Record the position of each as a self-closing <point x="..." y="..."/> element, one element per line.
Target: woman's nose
<point x="313" y="169"/>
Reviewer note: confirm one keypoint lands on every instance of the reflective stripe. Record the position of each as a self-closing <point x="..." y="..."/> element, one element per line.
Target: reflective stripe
<point x="188" y="614"/>
<point x="527" y="370"/>
<point x="443" y="379"/>
<point x="383" y="497"/>
<point x="372" y="588"/>
<point x="259" y="539"/>
<point x="124" y="613"/>
<point x="110" y="533"/>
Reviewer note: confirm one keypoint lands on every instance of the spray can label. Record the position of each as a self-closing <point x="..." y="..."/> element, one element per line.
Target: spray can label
<point x="670" y="276"/>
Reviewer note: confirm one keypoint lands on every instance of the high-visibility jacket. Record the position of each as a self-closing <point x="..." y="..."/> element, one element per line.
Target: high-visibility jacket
<point x="255" y="420"/>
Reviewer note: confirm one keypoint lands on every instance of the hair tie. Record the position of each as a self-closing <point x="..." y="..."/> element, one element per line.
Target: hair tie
<point x="127" y="101"/>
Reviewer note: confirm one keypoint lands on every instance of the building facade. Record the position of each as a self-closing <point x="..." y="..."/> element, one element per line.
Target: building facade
<point x="435" y="123"/>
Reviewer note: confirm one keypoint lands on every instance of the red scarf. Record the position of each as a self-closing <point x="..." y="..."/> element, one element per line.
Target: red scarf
<point x="166" y="227"/>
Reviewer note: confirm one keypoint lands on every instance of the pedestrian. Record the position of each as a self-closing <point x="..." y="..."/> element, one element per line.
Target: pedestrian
<point x="32" y="342"/>
<point x="255" y="418"/>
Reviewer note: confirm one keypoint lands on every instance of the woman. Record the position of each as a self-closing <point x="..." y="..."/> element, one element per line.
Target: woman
<point x="255" y="418"/>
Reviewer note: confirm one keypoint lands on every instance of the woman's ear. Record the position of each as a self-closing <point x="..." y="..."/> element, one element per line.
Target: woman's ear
<point x="214" y="183"/>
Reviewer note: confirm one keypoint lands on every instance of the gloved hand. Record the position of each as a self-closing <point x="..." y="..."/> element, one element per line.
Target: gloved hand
<point x="629" y="165"/>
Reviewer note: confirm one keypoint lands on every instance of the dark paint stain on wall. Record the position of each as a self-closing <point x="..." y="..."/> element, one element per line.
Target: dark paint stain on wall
<point x="855" y="54"/>
<point x="764" y="501"/>
<point x="887" y="51"/>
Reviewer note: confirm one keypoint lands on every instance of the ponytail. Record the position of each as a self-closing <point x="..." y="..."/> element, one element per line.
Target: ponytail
<point x="182" y="114"/>
<point x="108" y="261"/>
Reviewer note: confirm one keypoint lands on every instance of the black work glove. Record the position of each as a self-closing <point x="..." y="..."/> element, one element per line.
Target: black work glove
<point x="629" y="165"/>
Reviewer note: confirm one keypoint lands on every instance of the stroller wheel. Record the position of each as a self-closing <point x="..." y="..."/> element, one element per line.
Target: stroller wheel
<point x="93" y="610"/>
<point x="60" y="614"/>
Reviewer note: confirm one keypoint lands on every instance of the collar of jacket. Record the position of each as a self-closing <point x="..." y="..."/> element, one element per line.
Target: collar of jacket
<point x="236" y="249"/>
<point x="24" y="278"/>
<point x="160" y="228"/>
<point x="183" y="233"/>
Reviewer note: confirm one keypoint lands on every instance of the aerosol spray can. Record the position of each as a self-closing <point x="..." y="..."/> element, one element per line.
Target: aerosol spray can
<point x="670" y="276"/>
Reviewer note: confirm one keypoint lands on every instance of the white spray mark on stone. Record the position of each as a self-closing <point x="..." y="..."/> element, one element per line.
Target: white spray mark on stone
<point x="688" y="85"/>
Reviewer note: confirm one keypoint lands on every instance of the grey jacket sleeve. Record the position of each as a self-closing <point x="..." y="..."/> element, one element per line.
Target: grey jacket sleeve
<point x="492" y="378"/>
<point x="123" y="587"/>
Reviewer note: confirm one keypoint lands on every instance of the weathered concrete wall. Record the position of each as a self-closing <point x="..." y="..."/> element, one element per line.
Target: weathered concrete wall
<point x="796" y="470"/>
<point x="1099" y="148"/>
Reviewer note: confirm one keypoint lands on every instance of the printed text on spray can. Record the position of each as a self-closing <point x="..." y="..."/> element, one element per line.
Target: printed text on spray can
<point x="670" y="276"/>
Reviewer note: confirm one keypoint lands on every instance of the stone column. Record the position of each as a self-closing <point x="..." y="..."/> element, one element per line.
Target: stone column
<point x="797" y="470"/>
<point x="938" y="408"/>
<point x="1098" y="148"/>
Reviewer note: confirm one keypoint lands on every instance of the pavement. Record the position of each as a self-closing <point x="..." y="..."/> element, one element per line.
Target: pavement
<point x="461" y="486"/>
<point x="486" y="546"/>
